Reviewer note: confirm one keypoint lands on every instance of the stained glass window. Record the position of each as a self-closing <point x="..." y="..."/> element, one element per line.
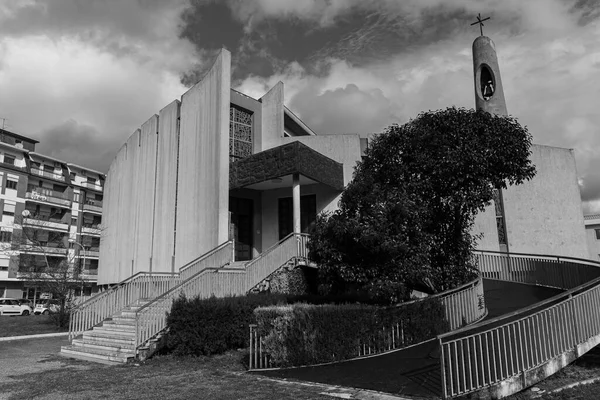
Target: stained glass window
<point x="240" y="133"/>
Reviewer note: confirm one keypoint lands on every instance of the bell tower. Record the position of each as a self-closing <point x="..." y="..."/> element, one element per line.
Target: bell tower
<point x="489" y="96"/>
<point x="489" y="93"/>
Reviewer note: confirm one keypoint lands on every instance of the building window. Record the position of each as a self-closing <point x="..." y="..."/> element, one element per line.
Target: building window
<point x="11" y="184"/>
<point x="76" y="197"/>
<point x="9" y="209"/>
<point x="5" y="237"/>
<point x="240" y="133"/>
<point x="91" y="180"/>
<point x="74" y="221"/>
<point x="597" y="234"/>
<point x="9" y="159"/>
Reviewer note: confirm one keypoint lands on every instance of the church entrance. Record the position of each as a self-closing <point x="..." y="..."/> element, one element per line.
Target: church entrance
<point x="241" y="224"/>
<point x="308" y="214"/>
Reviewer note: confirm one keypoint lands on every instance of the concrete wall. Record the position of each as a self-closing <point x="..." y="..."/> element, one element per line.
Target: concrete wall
<point x="145" y="174"/>
<point x="272" y="115"/>
<point x="203" y="181"/>
<point x="142" y="206"/>
<point x="544" y="215"/>
<point x="485" y="226"/>
<point x="592" y="242"/>
<point x="163" y="248"/>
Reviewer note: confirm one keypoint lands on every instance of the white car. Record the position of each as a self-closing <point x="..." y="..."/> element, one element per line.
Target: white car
<point x="10" y="306"/>
<point x="46" y="307"/>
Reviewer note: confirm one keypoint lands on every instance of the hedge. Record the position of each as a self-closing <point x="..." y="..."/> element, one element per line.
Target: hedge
<point x="215" y="325"/>
<point x="304" y="334"/>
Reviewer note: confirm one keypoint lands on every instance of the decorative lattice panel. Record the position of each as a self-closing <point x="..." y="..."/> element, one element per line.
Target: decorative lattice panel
<point x="240" y="133"/>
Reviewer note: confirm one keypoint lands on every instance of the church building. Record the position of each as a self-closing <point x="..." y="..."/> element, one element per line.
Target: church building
<point x="219" y="165"/>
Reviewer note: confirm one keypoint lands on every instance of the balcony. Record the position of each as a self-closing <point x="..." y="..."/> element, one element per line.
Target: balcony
<point x="90" y="185"/>
<point x="47" y="196"/>
<point x="47" y="174"/>
<point x="46" y="222"/>
<point x="93" y="206"/>
<point x="91" y="229"/>
<point x="48" y="250"/>
<point x="92" y="252"/>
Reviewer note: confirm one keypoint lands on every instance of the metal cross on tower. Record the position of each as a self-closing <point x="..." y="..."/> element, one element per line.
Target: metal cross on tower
<point x="480" y="22"/>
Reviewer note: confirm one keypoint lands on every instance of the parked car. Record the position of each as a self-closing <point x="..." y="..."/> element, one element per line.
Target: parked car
<point x="46" y="307"/>
<point x="10" y="306"/>
<point x="27" y="302"/>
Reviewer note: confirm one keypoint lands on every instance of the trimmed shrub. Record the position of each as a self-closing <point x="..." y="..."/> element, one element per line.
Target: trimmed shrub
<point x="215" y="325"/>
<point x="303" y="334"/>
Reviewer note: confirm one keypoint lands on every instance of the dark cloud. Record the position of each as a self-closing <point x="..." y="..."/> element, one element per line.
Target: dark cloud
<point x="79" y="144"/>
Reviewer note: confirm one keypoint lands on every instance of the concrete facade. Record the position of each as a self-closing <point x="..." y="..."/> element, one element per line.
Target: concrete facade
<point x="544" y="215"/>
<point x="592" y="234"/>
<point x="203" y="179"/>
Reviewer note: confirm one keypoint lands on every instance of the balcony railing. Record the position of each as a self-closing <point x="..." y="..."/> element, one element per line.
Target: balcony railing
<point x="49" y="196"/>
<point x="91" y="229"/>
<point x="30" y="248"/>
<point x="93" y="205"/>
<point x="90" y="253"/>
<point x="46" y="222"/>
<point x="91" y="186"/>
<point x="47" y="174"/>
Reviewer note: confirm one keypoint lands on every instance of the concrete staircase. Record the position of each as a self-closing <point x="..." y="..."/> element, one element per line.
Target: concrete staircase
<point x="113" y="342"/>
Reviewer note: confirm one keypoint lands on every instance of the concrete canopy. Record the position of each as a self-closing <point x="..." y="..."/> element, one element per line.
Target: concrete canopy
<point x="282" y="162"/>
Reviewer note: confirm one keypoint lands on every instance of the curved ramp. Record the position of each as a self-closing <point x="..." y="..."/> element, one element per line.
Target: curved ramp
<point x="506" y="354"/>
<point x="543" y="312"/>
<point x="412" y="371"/>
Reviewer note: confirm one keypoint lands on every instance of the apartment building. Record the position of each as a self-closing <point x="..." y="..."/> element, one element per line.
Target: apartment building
<point x="60" y="200"/>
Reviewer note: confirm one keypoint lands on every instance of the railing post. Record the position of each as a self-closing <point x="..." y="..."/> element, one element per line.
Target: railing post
<point x="442" y="369"/>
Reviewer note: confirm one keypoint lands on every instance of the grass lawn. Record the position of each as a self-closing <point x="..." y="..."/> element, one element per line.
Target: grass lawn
<point x="28" y="325"/>
<point x="163" y="377"/>
<point x="584" y="368"/>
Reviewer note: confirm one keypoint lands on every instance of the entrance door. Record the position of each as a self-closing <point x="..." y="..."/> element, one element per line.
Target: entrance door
<point x="308" y="214"/>
<point x="241" y="221"/>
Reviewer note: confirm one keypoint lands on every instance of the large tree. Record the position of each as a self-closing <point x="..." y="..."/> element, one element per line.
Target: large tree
<point x="405" y="219"/>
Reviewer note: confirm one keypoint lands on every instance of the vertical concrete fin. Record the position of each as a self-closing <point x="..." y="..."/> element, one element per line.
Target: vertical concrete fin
<point x="272" y="117"/>
<point x="203" y="179"/>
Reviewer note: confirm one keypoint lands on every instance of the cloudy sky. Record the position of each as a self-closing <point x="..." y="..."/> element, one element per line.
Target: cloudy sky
<point x="82" y="75"/>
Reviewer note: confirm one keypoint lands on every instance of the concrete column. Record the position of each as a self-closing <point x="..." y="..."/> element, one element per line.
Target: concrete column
<point x="296" y="201"/>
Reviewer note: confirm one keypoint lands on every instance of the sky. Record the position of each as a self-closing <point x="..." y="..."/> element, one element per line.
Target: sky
<point x="81" y="76"/>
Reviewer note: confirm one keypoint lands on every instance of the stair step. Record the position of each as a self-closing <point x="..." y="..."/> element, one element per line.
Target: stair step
<point x="94" y="354"/>
<point x="102" y="346"/>
<point x="112" y="325"/>
<point x="107" y="341"/>
<point x="112" y="336"/>
<point x="114" y="332"/>
<point x="123" y="320"/>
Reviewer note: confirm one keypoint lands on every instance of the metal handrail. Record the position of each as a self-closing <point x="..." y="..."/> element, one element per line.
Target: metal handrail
<point x="490" y="352"/>
<point x="461" y="305"/>
<point x="79" y="323"/>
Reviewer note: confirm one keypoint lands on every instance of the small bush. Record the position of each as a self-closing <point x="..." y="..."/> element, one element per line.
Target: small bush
<point x="303" y="334"/>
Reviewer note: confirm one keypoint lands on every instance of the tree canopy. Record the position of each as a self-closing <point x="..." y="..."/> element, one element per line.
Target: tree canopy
<point x="405" y="219"/>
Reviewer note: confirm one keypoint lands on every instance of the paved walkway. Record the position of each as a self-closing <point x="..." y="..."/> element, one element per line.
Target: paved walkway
<point x="413" y="371"/>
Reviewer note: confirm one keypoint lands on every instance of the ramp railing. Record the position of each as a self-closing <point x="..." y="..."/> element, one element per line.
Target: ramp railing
<point x="462" y="305"/>
<point x="502" y="353"/>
